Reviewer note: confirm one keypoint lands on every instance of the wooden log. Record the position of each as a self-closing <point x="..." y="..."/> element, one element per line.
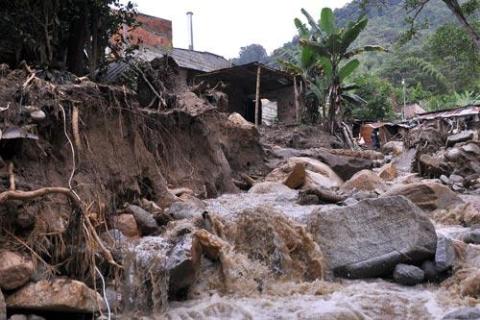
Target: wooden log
<point x="297" y="105"/>
<point x="257" y="97"/>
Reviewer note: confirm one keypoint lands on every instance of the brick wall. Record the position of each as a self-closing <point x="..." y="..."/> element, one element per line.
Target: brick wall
<point x="154" y="32"/>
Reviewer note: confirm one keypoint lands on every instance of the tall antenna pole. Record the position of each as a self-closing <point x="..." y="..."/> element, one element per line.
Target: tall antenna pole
<point x="190" y="14"/>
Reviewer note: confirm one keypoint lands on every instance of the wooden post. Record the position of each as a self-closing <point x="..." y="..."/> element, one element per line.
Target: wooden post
<point x="297" y="106"/>
<point x="257" y="97"/>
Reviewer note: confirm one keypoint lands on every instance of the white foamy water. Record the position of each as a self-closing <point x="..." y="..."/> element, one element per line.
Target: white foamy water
<point x="376" y="299"/>
<point x="229" y="205"/>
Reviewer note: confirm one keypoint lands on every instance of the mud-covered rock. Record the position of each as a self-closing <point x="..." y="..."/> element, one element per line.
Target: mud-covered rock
<point x="365" y="180"/>
<point x="467" y="313"/>
<point x="15" y="270"/>
<point x="346" y="166"/>
<point x="59" y="295"/>
<point x="393" y="147"/>
<point x="127" y="224"/>
<point x="370" y="238"/>
<point x="296" y="178"/>
<point x="145" y="221"/>
<point x="408" y="275"/>
<point x="388" y="172"/>
<point x="460" y="137"/>
<point x="18" y="317"/>
<point x="271" y="187"/>
<point x="427" y="195"/>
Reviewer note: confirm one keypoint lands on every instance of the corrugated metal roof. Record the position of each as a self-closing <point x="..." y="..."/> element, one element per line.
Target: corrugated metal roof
<point x="458" y="112"/>
<point x="188" y="59"/>
<point x="412" y="110"/>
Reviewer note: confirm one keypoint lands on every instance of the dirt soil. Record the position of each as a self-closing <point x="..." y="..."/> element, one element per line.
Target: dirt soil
<point x="298" y="137"/>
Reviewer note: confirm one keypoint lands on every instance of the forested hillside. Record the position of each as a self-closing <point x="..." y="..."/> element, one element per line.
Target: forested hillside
<point x="440" y="64"/>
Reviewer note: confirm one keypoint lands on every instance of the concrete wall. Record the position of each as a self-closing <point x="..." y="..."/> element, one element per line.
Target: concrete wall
<point x="285" y="99"/>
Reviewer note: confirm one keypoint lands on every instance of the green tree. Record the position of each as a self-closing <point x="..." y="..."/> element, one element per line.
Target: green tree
<point x="379" y="96"/>
<point x="71" y="34"/>
<point x="332" y="48"/>
<point x="251" y="53"/>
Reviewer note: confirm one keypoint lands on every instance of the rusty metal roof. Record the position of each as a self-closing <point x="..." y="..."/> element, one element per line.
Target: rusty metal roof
<point x="450" y="113"/>
<point x="188" y="59"/>
<point x="246" y="76"/>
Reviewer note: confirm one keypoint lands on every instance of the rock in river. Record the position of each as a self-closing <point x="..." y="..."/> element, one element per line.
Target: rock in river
<point x="408" y="275"/>
<point x="370" y="238"/>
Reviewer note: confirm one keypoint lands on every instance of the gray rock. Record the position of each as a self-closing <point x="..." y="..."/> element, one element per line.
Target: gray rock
<point x="145" y="221"/>
<point x="18" y="317"/>
<point x="471" y="148"/>
<point x="3" y="307"/>
<point x="345" y="167"/>
<point x="445" y="254"/>
<point x="445" y="179"/>
<point x="34" y="317"/>
<point x="430" y="270"/>
<point x="455" y="178"/>
<point x="453" y="154"/>
<point x="370" y="238"/>
<point x="467" y="313"/>
<point x="182" y="265"/>
<point x="184" y="210"/>
<point x="408" y="275"/>
<point x="472" y="236"/>
<point x="458" y="187"/>
<point x="460" y="137"/>
<point x="350" y="201"/>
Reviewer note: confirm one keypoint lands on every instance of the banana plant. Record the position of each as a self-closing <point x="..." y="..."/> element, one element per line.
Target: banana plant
<point x="330" y="47"/>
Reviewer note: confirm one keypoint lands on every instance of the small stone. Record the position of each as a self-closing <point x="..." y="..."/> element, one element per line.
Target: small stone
<point x="3" y="307"/>
<point x="127" y="224"/>
<point x="467" y="313"/>
<point x="445" y="179"/>
<point x="445" y="254"/>
<point x="34" y="317"/>
<point x="455" y="178"/>
<point x="296" y="179"/>
<point x="388" y="172"/>
<point x="145" y="221"/>
<point x="430" y="271"/>
<point x="38" y="115"/>
<point x="18" y="317"/>
<point x="408" y="275"/>
<point x="15" y="270"/>
<point x="472" y="237"/>
<point x="184" y="210"/>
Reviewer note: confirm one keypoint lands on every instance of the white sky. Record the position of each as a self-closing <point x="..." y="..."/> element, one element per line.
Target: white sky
<point x="223" y="26"/>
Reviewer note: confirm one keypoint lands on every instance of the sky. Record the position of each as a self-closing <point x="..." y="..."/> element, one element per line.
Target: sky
<point x="223" y="26"/>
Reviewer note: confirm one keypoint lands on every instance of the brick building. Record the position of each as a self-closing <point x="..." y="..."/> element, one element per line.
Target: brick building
<point x="153" y="32"/>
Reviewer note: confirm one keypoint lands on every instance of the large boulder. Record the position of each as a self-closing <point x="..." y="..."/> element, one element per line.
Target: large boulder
<point x="305" y="172"/>
<point x="408" y="275"/>
<point x="182" y="265"/>
<point x="59" y="295"/>
<point x="427" y="195"/>
<point x="445" y="256"/>
<point x="3" y="307"/>
<point x="370" y="238"/>
<point x="346" y="165"/>
<point x="365" y="180"/>
<point x="15" y="270"/>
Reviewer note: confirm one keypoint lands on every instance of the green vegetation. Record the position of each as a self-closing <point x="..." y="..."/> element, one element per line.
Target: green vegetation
<point x="66" y="34"/>
<point x="325" y="59"/>
<point x="434" y="53"/>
